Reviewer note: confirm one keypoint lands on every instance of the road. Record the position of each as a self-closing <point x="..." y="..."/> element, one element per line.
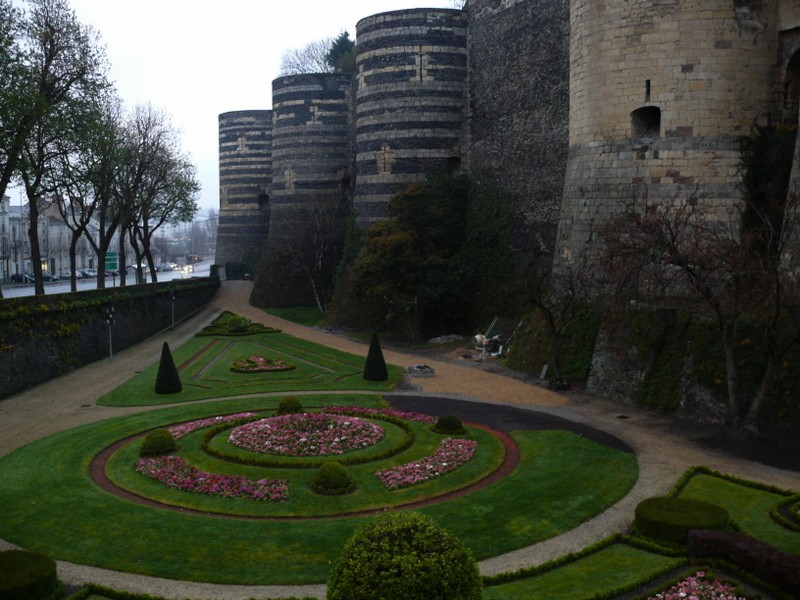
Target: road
<point x="62" y="286"/>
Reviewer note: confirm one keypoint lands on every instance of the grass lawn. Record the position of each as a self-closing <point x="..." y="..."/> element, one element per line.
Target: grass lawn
<point x="609" y="569"/>
<point x="50" y="505"/>
<point x="748" y="506"/>
<point x="204" y="365"/>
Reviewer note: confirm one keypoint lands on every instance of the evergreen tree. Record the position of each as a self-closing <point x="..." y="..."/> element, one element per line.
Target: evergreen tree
<point x="375" y="366"/>
<point x="167" y="381"/>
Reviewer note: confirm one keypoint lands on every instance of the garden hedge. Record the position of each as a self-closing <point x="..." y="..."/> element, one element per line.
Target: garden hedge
<point x="27" y="576"/>
<point x="670" y="519"/>
<point x="763" y="560"/>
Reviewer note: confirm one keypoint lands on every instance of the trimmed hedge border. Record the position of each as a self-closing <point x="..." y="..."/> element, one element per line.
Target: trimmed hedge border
<point x="760" y="558"/>
<point x="701" y="470"/>
<point x="218" y="329"/>
<point x="91" y="589"/>
<point x="257" y="461"/>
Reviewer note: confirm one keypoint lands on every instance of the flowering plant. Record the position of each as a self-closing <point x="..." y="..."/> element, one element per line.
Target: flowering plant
<point x="175" y="472"/>
<point x="390" y="412"/>
<point x="307" y="434"/>
<point x="451" y="454"/>
<point x="259" y="364"/>
<point x="699" y="587"/>
<point x="184" y="429"/>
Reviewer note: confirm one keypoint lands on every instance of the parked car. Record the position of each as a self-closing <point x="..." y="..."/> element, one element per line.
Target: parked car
<point x="67" y="275"/>
<point x="49" y="277"/>
<point x="21" y="278"/>
<point x="89" y="273"/>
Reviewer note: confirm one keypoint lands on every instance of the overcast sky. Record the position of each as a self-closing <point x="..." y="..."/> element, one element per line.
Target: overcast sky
<point x="197" y="59"/>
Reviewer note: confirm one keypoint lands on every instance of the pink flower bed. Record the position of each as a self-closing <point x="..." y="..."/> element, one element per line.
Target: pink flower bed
<point x="310" y="434"/>
<point x="184" y="429"/>
<point x="699" y="587"/>
<point x="257" y="364"/>
<point x="390" y="412"/>
<point x="175" y="472"/>
<point x="451" y="454"/>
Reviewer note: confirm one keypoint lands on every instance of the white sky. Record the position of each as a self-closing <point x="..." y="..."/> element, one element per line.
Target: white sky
<point x="197" y="59"/>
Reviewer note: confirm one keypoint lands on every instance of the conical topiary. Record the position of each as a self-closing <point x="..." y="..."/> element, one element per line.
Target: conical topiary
<point x="375" y="367"/>
<point x="167" y="381"/>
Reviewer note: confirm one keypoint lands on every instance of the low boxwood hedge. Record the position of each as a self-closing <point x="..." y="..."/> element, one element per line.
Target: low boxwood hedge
<point x="670" y="519"/>
<point x="27" y="576"/>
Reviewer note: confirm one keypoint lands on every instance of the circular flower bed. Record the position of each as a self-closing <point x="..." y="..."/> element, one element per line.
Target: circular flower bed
<point x="260" y="364"/>
<point x="307" y="435"/>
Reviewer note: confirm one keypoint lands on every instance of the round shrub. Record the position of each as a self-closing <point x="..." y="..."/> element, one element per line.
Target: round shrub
<point x="670" y="519"/>
<point x="449" y="425"/>
<point x="404" y="556"/>
<point x="237" y="324"/>
<point x="332" y="479"/>
<point x="289" y="406"/>
<point x="158" y="443"/>
<point x="27" y="576"/>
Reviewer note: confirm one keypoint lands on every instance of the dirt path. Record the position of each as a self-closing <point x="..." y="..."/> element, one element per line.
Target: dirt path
<point x="665" y="447"/>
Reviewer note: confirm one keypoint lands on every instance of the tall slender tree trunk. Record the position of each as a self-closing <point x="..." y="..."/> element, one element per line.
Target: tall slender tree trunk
<point x="731" y="370"/>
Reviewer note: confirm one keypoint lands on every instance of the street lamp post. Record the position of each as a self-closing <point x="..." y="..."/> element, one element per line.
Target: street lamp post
<point x="173" y="310"/>
<point x="110" y="322"/>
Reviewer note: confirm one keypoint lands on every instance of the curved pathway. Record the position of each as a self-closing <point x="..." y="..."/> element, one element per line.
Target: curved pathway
<point x="665" y="447"/>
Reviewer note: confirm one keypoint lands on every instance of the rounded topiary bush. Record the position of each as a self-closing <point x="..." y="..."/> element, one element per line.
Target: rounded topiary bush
<point x="449" y="425"/>
<point x="404" y="556"/>
<point x="670" y="519"/>
<point x="289" y="406"/>
<point x="332" y="479"/>
<point x="27" y="576"/>
<point x="158" y="443"/>
<point x="237" y="324"/>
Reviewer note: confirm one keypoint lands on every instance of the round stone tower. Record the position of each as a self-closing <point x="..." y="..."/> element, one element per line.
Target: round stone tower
<point x="410" y="103"/>
<point x="245" y="173"/>
<point x="311" y="167"/>
<point x="660" y="91"/>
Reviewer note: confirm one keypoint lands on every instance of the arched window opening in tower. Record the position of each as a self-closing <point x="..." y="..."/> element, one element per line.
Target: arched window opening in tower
<point x="646" y="124"/>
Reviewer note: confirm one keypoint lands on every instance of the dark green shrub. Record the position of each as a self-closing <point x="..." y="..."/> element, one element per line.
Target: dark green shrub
<point x="670" y="519"/>
<point x="289" y="406"/>
<point x="167" y="381"/>
<point x="449" y="425"/>
<point x="27" y="576"/>
<point x="763" y="560"/>
<point x="375" y="365"/>
<point x="237" y="324"/>
<point x="332" y="480"/>
<point x="158" y="443"/>
<point x="404" y="556"/>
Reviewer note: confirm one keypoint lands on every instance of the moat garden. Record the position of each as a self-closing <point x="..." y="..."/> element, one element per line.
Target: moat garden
<point x="277" y="450"/>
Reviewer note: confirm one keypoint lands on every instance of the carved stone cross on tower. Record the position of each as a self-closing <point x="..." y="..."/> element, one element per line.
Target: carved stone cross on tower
<point x="314" y="115"/>
<point x="289" y="178"/>
<point x="242" y="144"/>
<point x="385" y="160"/>
<point x="362" y="78"/>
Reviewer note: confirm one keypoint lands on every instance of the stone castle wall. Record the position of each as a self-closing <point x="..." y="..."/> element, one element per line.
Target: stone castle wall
<point x="660" y="91"/>
<point x="311" y="173"/>
<point x="410" y="104"/>
<point x="519" y="114"/>
<point x="245" y="177"/>
<point x="574" y="107"/>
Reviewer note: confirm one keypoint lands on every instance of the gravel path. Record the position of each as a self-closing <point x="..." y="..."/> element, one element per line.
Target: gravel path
<point x="665" y="447"/>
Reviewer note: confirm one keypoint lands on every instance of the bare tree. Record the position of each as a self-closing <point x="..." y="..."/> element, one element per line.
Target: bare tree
<point x="311" y="58"/>
<point x="694" y="254"/>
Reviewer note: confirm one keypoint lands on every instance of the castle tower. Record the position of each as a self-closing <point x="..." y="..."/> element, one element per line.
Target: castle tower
<point x="519" y="108"/>
<point x="410" y="104"/>
<point x="310" y="184"/>
<point x="245" y="172"/>
<point x="660" y="90"/>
